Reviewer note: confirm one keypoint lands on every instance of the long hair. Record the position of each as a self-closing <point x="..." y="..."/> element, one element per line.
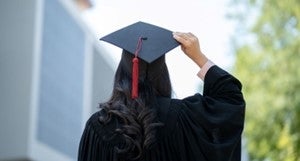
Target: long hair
<point x="138" y="116"/>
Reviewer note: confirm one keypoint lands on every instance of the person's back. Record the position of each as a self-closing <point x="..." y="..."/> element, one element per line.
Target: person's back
<point x="151" y="126"/>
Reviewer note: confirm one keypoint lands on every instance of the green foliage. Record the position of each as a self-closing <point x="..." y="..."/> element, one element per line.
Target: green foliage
<point x="268" y="55"/>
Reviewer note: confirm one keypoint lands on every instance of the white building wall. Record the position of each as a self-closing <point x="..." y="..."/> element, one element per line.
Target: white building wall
<point x="16" y="55"/>
<point x="29" y="55"/>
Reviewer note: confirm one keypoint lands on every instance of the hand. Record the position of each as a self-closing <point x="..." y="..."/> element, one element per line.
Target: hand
<point x="190" y="46"/>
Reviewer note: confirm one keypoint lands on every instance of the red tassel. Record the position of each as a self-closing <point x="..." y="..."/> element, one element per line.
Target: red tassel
<point x="135" y="78"/>
<point x="135" y="70"/>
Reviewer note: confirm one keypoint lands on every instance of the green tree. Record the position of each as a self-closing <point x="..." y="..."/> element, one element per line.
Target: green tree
<point x="267" y="47"/>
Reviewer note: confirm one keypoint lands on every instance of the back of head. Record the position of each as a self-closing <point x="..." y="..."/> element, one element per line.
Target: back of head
<point x="153" y="75"/>
<point x="138" y="113"/>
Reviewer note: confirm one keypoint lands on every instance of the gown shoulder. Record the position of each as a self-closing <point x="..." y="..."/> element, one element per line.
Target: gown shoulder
<point x="208" y="125"/>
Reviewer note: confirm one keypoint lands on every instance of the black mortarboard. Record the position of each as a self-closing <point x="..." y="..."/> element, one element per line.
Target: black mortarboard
<point x="145" y="41"/>
<point x="156" y="41"/>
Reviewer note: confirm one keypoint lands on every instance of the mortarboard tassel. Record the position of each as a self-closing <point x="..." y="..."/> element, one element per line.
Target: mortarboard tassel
<point x="135" y="70"/>
<point x="135" y="78"/>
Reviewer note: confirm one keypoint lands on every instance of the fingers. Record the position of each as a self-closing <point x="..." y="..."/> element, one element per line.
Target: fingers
<point x="189" y="42"/>
<point x="186" y="39"/>
<point x="183" y="36"/>
<point x="180" y="37"/>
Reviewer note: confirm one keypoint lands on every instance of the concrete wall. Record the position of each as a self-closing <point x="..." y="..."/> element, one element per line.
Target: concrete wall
<point x="16" y="55"/>
<point x="22" y="44"/>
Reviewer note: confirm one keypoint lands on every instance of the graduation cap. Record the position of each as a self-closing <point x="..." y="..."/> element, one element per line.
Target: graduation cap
<point x="145" y="41"/>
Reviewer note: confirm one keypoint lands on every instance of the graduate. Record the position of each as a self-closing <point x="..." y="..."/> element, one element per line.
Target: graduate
<point x="141" y="122"/>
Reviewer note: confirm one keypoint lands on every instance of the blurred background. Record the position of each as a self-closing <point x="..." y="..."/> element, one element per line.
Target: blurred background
<point x="54" y="70"/>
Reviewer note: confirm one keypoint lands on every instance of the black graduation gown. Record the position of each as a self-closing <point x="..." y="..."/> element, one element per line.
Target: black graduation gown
<point x="204" y="127"/>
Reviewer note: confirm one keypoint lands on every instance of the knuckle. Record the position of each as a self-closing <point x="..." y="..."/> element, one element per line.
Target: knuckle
<point x="189" y="44"/>
<point x="194" y="39"/>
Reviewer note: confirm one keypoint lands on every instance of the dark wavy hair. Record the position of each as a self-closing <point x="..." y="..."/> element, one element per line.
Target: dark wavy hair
<point x="138" y="116"/>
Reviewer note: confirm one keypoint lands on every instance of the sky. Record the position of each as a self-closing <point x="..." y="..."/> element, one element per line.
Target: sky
<point x="204" y="18"/>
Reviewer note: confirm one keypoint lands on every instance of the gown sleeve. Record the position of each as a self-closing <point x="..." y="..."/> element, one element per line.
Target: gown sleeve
<point x="210" y="125"/>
